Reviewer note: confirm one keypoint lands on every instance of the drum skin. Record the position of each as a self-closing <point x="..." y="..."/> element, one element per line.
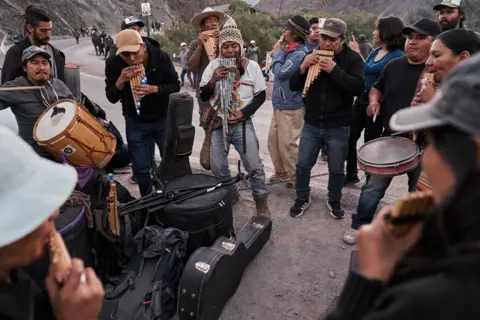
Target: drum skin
<point x="84" y="142"/>
<point x="389" y="156"/>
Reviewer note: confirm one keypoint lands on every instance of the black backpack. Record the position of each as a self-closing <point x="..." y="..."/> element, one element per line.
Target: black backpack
<point x="148" y="287"/>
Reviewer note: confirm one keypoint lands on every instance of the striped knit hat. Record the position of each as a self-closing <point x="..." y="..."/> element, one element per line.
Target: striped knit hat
<point x="230" y="32"/>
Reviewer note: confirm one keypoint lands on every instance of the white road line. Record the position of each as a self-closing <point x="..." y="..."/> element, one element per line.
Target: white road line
<point x="91" y="76"/>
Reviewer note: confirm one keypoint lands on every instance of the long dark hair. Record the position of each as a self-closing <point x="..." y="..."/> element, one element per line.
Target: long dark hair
<point x="451" y="234"/>
<point x="390" y="32"/>
<point x="33" y="16"/>
<point x="460" y="40"/>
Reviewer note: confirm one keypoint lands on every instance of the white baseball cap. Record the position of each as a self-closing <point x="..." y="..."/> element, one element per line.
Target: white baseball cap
<point x="252" y="42"/>
<point x="183" y="44"/>
<point x="31" y="188"/>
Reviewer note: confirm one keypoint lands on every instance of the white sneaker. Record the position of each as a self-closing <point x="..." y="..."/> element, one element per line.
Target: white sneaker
<point x="350" y="236"/>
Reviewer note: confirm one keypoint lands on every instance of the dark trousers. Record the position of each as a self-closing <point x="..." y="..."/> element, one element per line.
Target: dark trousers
<point x="142" y="137"/>
<point x="373" y="191"/>
<point x="312" y="140"/>
<point x="189" y="76"/>
<point x="361" y="121"/>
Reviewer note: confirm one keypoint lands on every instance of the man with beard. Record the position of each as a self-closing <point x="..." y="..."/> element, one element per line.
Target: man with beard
<point x="394" y="90"/>
<point x="28" y="106"/>
<point x="450" y="14"/>
<point x="147" y="124"/>
<point x="207" y="21"/>
<point x="38" y="27"/>
<point x="249" y="92"/>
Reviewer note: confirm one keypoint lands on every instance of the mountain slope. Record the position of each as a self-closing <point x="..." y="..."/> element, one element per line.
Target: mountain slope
<point x="398" y="8"/>
<point x="105" y="14"/>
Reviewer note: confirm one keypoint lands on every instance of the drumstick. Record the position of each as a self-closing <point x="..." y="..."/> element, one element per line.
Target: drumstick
<point x="22" y="88"/>
<point x="375" y="117"/>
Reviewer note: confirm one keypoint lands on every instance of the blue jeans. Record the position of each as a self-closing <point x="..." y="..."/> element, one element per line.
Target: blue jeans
<point x="142" y="137"/>
<point x="311" y="141"/>
<point x="251" y="158"/>
<point x="373" y="191"/>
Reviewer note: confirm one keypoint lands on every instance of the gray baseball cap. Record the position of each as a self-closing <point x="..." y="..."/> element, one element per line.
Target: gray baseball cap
<point x="449" y="4"/>
<point x="455" y="104"/>
<point x="32" y="51"/>
<point x="334" y="27"/>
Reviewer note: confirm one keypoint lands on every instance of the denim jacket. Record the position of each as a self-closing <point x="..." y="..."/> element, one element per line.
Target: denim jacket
<point x="284" y="66"/>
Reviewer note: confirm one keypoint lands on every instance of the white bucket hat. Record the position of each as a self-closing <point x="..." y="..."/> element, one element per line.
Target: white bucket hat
<point x="31" y="188"/>
<point x="207" y="12"/>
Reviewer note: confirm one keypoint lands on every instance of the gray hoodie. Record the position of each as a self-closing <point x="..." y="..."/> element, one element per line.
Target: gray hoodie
<point x="28" y="106"/>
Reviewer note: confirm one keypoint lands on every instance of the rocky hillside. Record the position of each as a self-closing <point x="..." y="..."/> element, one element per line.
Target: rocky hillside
<point x="105" y="14"/>
<point x="398" y="8"/>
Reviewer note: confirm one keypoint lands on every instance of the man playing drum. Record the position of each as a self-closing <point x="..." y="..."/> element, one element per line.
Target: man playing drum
<point x="394" y="90"/>
<point x="28" y="105"/>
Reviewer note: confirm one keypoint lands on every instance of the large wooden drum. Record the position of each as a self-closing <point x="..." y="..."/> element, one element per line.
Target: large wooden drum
<point x="65" y="129"/>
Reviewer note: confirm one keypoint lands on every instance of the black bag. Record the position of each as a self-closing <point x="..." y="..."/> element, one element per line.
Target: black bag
<point x="179" y="138"/>
<point x="111" y="251"/>
<point x="205" y="217"/>
<point x="212" y="275"/>
<point x="121" y="158"/>
<point x="71" y="223"/>
<point x="149" y="285"/>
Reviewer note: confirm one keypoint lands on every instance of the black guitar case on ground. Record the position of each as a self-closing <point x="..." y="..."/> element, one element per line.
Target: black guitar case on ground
<point x="205" y="217"/>
<point x="212" y="274"/>
<point x="179" y="138"/>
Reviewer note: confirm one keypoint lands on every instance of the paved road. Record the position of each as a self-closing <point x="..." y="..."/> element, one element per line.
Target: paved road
<point x="304" y="266"/>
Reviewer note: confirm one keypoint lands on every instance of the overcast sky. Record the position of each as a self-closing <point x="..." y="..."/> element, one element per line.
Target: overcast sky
<point x="253" y="2"/>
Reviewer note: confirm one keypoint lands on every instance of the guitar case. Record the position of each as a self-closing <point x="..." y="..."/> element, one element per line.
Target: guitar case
<point x="212" y="274"/>
<point x="179" y="138"/>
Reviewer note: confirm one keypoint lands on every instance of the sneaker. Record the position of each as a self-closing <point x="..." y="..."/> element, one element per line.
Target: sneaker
<point x="279" y="177"/>
<point x="350" y="236"/>
<point x="351" y="180"/>
<point x="336" y="210"/>
<point x="299" y="208"/>
<point x="133" y="179"/>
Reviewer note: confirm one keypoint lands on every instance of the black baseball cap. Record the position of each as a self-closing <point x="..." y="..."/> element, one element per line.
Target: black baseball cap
<point x="449" y="4"/>
<point x="455" y="104"/>
<point x="426" y="27"/>
<point x="130" y="21"/>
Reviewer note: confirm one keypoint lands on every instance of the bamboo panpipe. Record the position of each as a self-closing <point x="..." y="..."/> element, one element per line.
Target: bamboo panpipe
<point x="113" y="217"/>
<point x="414" y="206"/>
<point x="314" y="70"/>
<point x="138" y="80"/>
<point x="59" y="257"/>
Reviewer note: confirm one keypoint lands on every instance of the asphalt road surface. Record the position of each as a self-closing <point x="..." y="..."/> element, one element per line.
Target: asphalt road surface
<point x="305" y="264"/>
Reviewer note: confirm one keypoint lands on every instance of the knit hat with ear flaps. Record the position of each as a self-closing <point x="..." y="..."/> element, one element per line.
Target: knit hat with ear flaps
<point x="230" y="32"/>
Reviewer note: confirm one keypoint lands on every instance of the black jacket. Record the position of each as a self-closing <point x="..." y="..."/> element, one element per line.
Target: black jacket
<point x="328" y="103"/>
<point x="22" y="299"/>
<point x="13" y="67"/>
<point x="160" y="72"/>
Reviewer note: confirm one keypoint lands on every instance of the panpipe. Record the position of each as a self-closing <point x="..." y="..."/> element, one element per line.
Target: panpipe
<point x="226" y="89"/>
<point x="138" y="80"/>
<point x="211" y="44"/>
<point x="426" y="78"/>
<point x="113" y="217"/>
<point x="314" y="70"/>
<point x="408" y="211"/>
<point x="60" y="259"/>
